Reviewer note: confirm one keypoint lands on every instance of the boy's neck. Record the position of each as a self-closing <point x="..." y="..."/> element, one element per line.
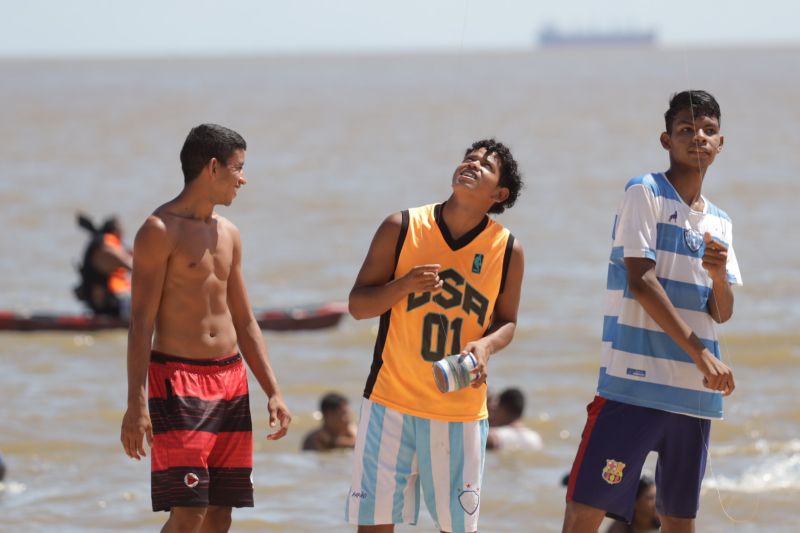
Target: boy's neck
<point x="194" y="204"/>
<point x="689" y="184"/>
<point x="460" y="218"/>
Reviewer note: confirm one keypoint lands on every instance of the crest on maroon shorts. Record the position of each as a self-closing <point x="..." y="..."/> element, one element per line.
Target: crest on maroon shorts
<point x="612" y="473"/>
<point x="191" y="480"/>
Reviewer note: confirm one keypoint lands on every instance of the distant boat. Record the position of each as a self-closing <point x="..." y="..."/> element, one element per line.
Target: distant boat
<point x="284" y="319"/>
<point x="550" y="37"/>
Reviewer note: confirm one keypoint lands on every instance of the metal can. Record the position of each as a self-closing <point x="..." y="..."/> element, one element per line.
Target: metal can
<point x="454" y="372"/>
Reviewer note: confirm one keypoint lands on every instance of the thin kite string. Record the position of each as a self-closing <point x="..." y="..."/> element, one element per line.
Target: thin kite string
<point x="725" y="356"/>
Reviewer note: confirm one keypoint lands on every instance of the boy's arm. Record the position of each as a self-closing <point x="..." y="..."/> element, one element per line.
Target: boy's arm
<point x="645" y="287"/>
<point x="374" y="291"/>
<point x="251" y="342"/>
<point x="152" y="246"/>
<point x="109" y="258"/>
<point x="504" y="319"/>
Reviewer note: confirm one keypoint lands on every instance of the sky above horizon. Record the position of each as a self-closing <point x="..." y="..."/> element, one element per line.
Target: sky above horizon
<point x="86" y="28"/>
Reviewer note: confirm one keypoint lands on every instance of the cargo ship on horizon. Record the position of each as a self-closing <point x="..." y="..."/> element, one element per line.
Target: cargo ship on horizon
<point x="550" y="37"/>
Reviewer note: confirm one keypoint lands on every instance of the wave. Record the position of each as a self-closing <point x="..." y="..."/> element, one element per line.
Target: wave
<point x="11" y="488"/>
<point x="775" y="472"/>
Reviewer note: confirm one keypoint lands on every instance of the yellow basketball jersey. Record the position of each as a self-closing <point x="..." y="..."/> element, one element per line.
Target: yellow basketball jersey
<point x="424" y="327"/>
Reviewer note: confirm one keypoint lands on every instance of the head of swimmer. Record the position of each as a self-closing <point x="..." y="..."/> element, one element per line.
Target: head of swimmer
<point x="213" y="156"/>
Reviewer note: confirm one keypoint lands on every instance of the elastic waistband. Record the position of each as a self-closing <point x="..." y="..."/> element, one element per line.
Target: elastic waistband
<point x="163" y="358"/>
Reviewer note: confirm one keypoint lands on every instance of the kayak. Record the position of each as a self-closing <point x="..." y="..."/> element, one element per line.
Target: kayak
<point x="285" y="319"/>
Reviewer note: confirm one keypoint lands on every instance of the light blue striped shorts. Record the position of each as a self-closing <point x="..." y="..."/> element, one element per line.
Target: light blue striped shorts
<point x="395" y="453"/>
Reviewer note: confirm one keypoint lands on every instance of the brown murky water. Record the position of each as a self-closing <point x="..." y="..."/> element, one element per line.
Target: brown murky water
<point x="335" y="144"/>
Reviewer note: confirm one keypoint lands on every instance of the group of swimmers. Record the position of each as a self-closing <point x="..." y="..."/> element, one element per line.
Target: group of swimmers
<point x="506" y="428"/>
<point x="444" y="279"/>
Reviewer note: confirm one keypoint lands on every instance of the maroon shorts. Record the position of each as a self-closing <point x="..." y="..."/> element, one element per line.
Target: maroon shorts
<point x="203" y="437"/>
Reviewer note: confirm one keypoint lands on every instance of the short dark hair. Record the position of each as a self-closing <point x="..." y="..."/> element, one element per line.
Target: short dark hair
<point x="509" y="173"/>
<point x="208" y="141"/>
<point x="513" y="401"/>
<point x="702" y="104"/>
<point x="331" y="402"/>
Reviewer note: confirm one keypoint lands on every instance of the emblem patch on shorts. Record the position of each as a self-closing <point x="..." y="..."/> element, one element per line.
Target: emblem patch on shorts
<point x="694" y="239"/>
<point x="469" y="498"/>
<point x="477" y="263"/>
<point x="191" y="480"/>
<point x="612" y="473"/>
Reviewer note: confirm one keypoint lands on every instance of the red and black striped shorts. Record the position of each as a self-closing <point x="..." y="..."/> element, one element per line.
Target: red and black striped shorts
<point x="203" y="436"/>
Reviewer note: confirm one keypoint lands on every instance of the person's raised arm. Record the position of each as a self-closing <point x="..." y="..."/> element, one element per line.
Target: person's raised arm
<point x="153" y="247"/>
<point x="375" y="291"/>
<point x="108" y="258"/>
<point x="504" y="319"/>
<point x="251" y="341"/>
<point x="650" y="294"/>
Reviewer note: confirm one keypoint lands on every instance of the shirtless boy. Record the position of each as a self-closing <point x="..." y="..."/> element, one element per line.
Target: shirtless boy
<point x="190" y="318"/>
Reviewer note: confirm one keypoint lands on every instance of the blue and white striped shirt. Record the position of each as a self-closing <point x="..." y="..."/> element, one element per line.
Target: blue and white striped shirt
<point x="640" y="364"/>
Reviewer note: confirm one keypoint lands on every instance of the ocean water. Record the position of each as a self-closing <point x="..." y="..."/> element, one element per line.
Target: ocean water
<point x="336" y="144"/>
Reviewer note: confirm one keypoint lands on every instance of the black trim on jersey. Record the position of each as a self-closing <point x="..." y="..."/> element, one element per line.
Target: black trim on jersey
<point x="468" y="237"/>
<point x="506" y="261"/>
<point x="377" y="354"/>
<point x="383" y="328"/>
<point x="401" y="239"/>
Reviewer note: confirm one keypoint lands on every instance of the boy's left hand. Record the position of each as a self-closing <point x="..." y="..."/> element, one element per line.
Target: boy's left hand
<point x="482" y="357"/>
<point x="279" y="415"/>
<point x="715" y="258"/>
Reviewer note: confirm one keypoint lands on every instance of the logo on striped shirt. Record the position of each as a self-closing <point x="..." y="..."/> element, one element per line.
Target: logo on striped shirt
<point x="694" y="239"/>
<point x="639" y="373"/>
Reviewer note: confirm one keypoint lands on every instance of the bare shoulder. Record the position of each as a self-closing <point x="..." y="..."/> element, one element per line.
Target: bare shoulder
<point x="162" y="220"/>
<point x="225" y="223"/>
<point x="516" y="250"/>
<point x="228" y="228"/>
<point x="395" y="220"/>
<point x="155" y="234"/>
<point x="390" y="227"/>
<point x="386" y="237"/>
<point x="311" y="440"/>
<point x="154" y="227"/>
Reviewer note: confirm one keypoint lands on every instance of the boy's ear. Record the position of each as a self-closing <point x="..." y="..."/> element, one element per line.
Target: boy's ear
<point x="666" y="142"/>
<point x="721" y="142"/>
<point x="501" y="194"/>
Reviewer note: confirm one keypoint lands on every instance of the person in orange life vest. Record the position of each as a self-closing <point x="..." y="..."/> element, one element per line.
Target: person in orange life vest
<point x="105" y="272"/>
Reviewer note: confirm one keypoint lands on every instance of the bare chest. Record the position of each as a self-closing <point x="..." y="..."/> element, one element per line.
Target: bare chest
<point x="203" y="251"/>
